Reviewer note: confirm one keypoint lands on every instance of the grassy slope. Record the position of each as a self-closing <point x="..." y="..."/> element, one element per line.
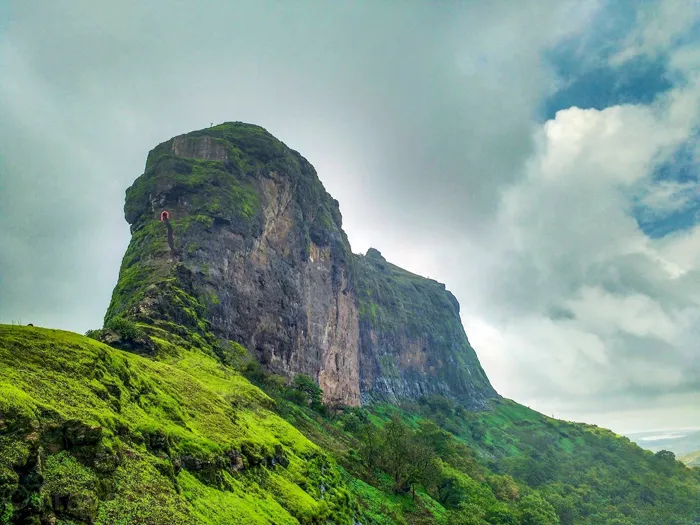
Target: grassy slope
<point x="155" y="440"/>
<point x="588" y="474"/>
<point x="122" y="439"/>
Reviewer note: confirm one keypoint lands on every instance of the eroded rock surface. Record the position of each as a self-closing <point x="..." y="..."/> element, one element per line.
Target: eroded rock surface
<point x="261" y="259"/>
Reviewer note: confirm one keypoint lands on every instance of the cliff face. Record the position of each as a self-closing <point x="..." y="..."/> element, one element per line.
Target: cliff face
<point x="412" y="340"/>
<point x="256" y="255"/>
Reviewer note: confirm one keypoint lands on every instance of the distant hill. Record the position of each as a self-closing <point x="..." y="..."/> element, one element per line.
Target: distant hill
<point x="680" y="442"/>
<point x="692" y="459"/>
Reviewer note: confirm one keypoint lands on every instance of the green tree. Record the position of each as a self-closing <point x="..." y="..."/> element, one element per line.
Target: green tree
<point x="501" y="514"/>
<point x="442" y="443"/>
<point x="666" y="456"/>
<point x="371" y="444"/>
<point x="504" y="488"/>
<point x="535" y="510"/>
<point x="125" y="328"/>
<point x="309" y="392"/>
<point x="395" y="447"/>
<point x="450" y="492"/>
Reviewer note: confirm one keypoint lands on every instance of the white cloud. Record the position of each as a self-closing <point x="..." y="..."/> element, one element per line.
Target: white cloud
<point x="658" y="27"/>
<point x="586" y="304"/>
<point x="669" y="196"/>
<point x="386" y="101"/>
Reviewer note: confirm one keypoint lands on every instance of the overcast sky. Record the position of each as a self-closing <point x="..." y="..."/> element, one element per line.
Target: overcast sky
<point x="540" y="158"/>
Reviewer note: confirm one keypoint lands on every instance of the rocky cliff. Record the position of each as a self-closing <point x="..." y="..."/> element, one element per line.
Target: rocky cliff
<point x="235" y="239"/>
<point x="411" y="337"/>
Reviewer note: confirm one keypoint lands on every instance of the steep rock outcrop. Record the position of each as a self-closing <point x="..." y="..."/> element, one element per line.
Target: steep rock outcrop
<point x="260" y="259"/>
<point x="412" y="339"/>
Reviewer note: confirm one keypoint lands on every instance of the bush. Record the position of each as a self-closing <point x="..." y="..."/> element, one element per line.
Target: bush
<point x="93" y="334"/>
<point x="306" y="391"/>
<point x="125" y="328"/>
<point x="233" y="354"/>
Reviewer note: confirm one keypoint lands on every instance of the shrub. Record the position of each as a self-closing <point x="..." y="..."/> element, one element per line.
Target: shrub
<point x="94" y="334"/>
<point x="125" y="328"/>
<point x="307" y="391"/>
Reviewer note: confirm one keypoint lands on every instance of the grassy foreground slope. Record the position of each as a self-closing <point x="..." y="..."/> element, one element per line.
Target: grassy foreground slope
<point x="506" y="465"/>
<point x="90" y="434"/>
<point x="94" y="435"/>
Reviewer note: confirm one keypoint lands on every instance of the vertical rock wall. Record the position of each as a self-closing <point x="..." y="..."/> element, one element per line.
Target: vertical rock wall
<point x="261" y="259"/>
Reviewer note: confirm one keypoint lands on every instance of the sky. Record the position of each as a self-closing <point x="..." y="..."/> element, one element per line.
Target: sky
<point x="540" y="158"/>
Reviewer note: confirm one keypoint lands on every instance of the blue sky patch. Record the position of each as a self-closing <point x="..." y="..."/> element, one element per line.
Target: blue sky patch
<point x="582" y="64"/>
<point x="637" y="81"/>
<point x="672" y="201"/>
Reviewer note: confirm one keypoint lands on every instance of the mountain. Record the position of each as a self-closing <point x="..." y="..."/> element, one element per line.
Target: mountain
<point x="679" y="442"/>
<point x="252" y="369"/>
<point x="259" y="257"/>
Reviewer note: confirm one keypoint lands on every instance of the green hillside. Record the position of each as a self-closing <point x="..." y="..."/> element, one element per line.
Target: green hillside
<point x="93" y="435"/>
<point x="90" y="434"/>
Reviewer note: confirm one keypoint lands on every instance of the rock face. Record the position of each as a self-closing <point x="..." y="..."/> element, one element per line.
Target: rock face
<point x="261" y="260"/>
<point x="412" y="340"/>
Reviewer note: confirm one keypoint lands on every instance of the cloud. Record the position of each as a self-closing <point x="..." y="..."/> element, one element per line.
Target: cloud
<point x="608" y="312"/>
<point x="669" y="197"/>
<point x="403" y="110"/>
<point x="659" y="28"/>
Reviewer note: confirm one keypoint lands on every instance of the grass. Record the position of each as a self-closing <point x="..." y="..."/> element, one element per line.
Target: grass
<point x="169" y="425"/>
<point x="91" y="434"/>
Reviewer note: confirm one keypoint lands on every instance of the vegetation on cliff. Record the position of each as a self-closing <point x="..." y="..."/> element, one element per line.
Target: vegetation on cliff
<point x="413" y="337"/>
<point x="209" y="179"/>
<point x="433" y="461"/>
<point x="260" y="259"/>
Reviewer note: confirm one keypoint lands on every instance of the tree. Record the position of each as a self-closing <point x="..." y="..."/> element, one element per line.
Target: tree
<point x="311" y="393"/>
<point x="535" y="510"/>
<point x="352" y="423"/>
<point x="125" y="328"/>
<point x="504" y="488"/>
<point x="666" y="455"/>
<point x="501" y="514"/>
<point x="448" y="490"/>
<point x="371" y="444"/>
<point x="422" y="465"/>
<point x="467" y="515"/>
<point x="405" y="455"/>
<point x="394" y="457"/>
<point x="442" y="443"/>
